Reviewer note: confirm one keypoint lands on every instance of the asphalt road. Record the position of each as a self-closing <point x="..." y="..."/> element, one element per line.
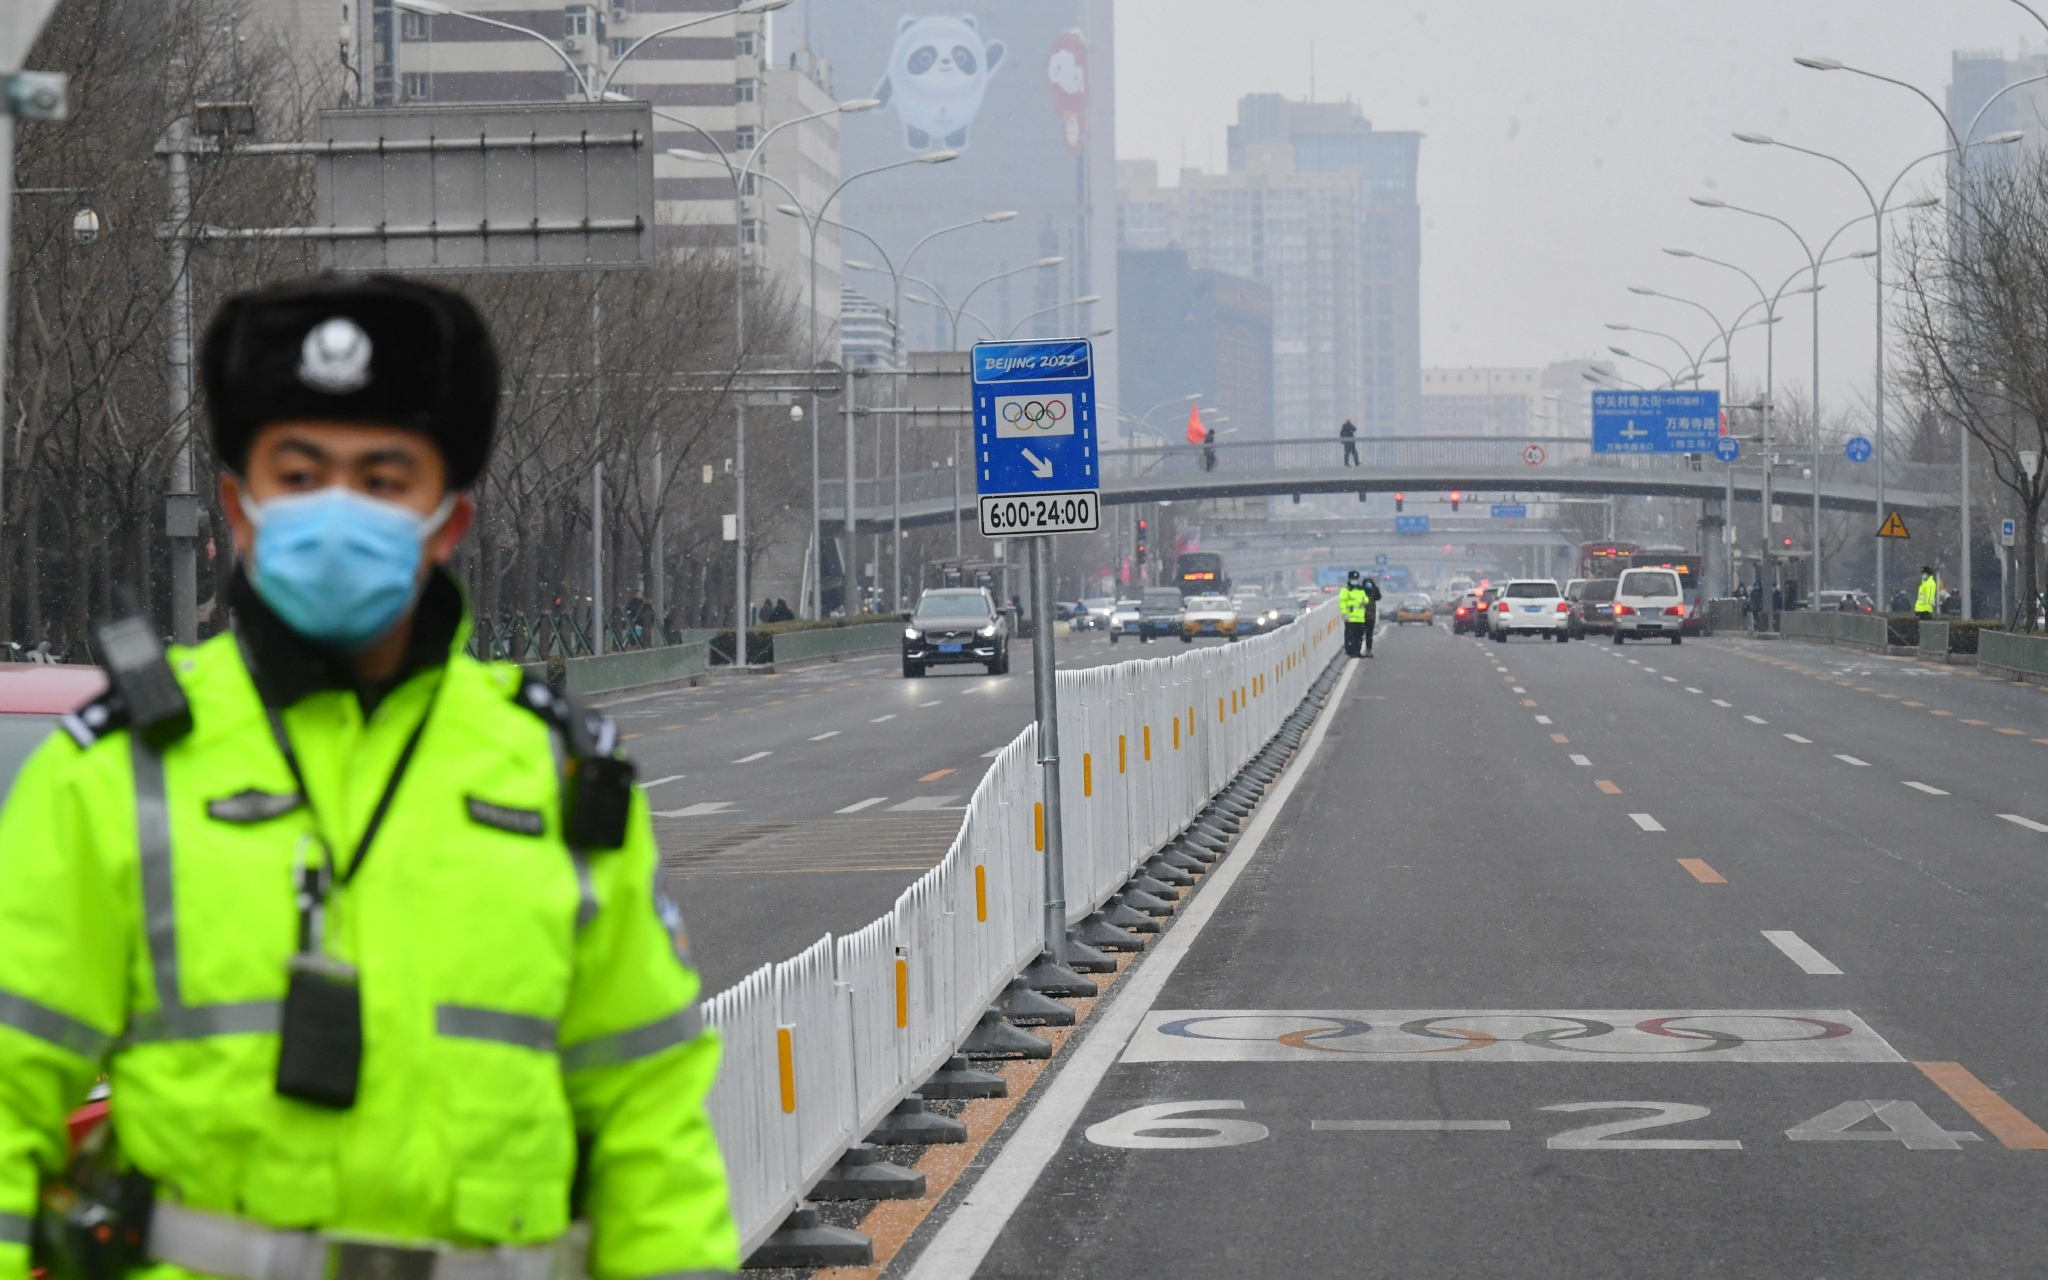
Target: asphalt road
<point x="792" y="805"/>
<point x="1576" y="960"/>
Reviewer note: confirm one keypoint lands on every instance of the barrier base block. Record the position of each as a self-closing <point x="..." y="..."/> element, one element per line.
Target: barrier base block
<point x="958" y="1080"/>
<point x="1024" y="1007"/>
<point x="864" y="1173"/>
<point x="1145" y="902"/>
<point x="912" y="1126"/>
<point x="995" y="1038"/>
<point x="1051" y="979"/>
<point x="803" y="1241"/>
<point x="1083" y="958"/>
<point x="1123" y="916"/>
<point x="1182" y="862"/>
<point x="1097" y="932"/>
<point x="1146" y="883"/>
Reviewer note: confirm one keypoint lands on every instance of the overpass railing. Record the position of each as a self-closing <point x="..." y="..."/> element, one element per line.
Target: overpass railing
<point x="820" y="1047"/>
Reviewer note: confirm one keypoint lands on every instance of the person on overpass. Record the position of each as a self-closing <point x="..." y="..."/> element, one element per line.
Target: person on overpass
<point x="1372" y="612"/>
<point x="1930" y="592"/>
<point x="1351" y="602"/>
<point x="1348" y="433"/>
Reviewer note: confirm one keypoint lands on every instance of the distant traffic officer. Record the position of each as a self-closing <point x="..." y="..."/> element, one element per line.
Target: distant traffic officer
<point x="1351" y="603"/>
<point x="365" y="931"/>
<point x="1930" y="592"/>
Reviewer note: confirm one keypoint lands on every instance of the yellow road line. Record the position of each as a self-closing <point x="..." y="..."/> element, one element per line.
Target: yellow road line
<point x="1977" y="722"/>
<point x="1916" y="704"/>
<point x="1606" y="787"/>
<point x="1528" y="702"/>
<point x="1941" y="713"/>
<point x="2006" y="1122"/>
<point x="935" y="775"/>
<point x="1702" y="872"/>
<point x="1558" y="737"/>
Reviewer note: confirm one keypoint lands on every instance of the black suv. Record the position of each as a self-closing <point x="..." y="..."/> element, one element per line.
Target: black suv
<point x="956" y="624"/>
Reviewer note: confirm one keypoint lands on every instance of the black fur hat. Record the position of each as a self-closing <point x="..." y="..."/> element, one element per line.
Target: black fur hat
<point x="373" y="349"/>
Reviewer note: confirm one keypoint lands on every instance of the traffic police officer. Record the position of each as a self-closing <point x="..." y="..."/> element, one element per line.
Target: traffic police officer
<point x="364" y="932"/>
<point x="1351" y="603"/>
<point x="1930" y="592"/>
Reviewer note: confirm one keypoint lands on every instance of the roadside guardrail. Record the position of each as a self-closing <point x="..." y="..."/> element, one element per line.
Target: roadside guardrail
<point x="2021" y="657"/>
<point x="820" y="1047"/>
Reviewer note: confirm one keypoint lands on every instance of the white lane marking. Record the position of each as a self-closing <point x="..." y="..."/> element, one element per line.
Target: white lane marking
<point x="1409" y="1126"/>
<point x="868" y="803"/>
<point x="1921" y="786"/>
<point x="1756" y="719"/>
<point x="674" y="777"/>
<point x="695" y="810"/>
<point x="960" y="1245"/>
<point x="1670" y="679"/>
<point x="933" y="703"/>
<point x="990" y="755"/>
<point x="1690" y="689"/>
<point x="1799" y="952"/>
<point x="926" y="804"/>
<point x="1646" y="822"/>
<point x="1520" y="689"/>
<point x="829" y="733"/>
<point x="1651" y="670"/>
<point x="1542" y="719"/>
<point x="879" y="719"/>
<point x="1582" y="762"/>
<point x="1860" y="764"/>
<point x="1806" y="742"/>
<point x="1634" y="662"/>
<point x="1719" y="703"/>
<point x="2028" y="823"/>
<point x="758" y="755"/>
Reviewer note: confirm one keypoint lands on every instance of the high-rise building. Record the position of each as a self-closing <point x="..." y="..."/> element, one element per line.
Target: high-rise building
<point x="1976" y="78"/>
<point x="1321" y="208"/>
<point x="1195" y="333"/>
<point x="1484" y="402"/>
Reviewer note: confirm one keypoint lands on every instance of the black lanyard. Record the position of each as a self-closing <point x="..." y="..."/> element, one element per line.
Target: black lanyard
<point x="291" y="759"/>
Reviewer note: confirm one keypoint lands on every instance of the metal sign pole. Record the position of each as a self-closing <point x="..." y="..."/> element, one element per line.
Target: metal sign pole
<point x="1045" y="697"/>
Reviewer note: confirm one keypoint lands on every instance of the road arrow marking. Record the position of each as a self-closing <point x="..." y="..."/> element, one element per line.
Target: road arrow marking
<point x="1039" y="466"/>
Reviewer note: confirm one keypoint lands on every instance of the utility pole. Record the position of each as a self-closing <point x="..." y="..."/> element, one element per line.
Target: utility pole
<point x="181" y="504"/>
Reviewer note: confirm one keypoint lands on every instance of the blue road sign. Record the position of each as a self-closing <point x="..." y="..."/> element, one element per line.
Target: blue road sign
<point x="1727" y="448"/>
<point x="1656" y="421"/>
<point x="2008" y="530"/>
<point x="1034" y="436"/>
<point x="1858" y="449"/>
<point x="1511" y="511"/>
<point x="1411" y="524"/>
<point x="1380" y="561"/>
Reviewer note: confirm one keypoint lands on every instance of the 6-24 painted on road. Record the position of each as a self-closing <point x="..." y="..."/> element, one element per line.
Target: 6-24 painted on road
<point x="1077" y="512"/>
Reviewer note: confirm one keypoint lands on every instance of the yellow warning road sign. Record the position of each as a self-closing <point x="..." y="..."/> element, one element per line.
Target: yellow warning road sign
<point x="1893" y="527"/>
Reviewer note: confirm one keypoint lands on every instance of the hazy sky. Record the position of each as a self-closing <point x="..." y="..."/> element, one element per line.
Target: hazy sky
<point x="1564" y="137"/>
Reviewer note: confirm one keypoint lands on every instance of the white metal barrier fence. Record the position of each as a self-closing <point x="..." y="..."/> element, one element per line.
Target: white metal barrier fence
<point x="820" y="1047"/>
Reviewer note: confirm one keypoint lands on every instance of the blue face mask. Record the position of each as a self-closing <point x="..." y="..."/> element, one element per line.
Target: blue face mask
<point x="337" y="566"/>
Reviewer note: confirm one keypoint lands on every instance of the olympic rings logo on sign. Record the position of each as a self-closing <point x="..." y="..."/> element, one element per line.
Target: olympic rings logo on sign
<point x="1044" y="415"/>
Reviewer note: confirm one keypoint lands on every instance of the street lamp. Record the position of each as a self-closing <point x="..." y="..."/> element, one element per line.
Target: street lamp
<point x="1086" y="300"/>
<point x="750" y="8"/>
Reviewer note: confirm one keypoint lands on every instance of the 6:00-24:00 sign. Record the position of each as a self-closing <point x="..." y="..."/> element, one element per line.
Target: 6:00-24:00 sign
<point x="1039" y="513"/>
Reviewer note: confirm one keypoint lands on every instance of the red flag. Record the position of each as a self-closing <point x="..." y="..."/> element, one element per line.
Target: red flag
<point x="1196" y="432"/>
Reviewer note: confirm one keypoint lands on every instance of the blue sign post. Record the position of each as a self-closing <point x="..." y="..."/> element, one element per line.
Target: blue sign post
<point x="1858" y="449"/>
<point x="1727" y="448"/>
<point x="1656" y="421"/>
<point x="1036" y="465"/>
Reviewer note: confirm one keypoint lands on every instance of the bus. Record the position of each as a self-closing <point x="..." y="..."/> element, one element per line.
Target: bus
<point x="1200" y="573"/>
<point x="1605" y="559"/>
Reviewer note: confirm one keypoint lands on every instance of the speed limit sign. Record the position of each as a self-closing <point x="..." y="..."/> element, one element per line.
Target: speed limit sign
<point x="1533" y="455"/>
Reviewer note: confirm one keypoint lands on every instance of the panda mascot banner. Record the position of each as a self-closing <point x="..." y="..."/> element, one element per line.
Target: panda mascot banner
<point x="1024" y="91"/>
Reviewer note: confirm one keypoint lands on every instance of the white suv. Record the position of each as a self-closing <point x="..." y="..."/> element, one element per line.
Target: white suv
<point x="1649" y="603"/>
<point x="1531" y="606"/>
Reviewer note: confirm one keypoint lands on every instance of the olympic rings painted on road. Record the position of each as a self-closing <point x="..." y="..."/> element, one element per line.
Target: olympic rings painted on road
<point x="1558" y="1032"/>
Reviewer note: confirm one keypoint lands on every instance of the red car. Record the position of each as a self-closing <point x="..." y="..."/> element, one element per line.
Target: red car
<point x="32" y="696"/>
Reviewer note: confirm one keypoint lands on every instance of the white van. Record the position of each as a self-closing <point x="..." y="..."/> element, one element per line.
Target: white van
<point x="1649" y="603"/>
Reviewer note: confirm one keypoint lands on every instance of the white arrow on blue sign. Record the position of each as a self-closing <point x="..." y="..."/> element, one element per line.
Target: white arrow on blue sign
<point x="1858" y="449"/>
<point x="1036" y="467"/>
<point x="1727" y="448"/>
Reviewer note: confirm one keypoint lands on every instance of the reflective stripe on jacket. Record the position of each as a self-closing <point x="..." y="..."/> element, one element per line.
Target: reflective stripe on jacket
<point x="520" y="999"/>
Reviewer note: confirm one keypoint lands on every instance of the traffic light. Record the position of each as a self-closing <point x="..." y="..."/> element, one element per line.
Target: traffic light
<point x="1141" y="542"/>
<point x="1397" y="501"/>
<point x="1454" y="499"/>
<point x="1788" y="542"/>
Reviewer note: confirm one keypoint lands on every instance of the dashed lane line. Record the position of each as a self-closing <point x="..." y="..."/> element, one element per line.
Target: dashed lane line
<point x="935" y="775"/>
<point x="1800" y="952"/>
<point x="1804" y="742"/>
<point x="1582" y="761"/>
<point x="1670" y="679"/>
<point x="933" y="703"/>
<point x="1921" y="786"/>
<point x="758" y="755"/>
<point x="655" y="782"/>
<point x="820" y="737"/>
<point x="702" y="810"/>
<point x="1702" y="872"/>
<point x="1756" y="719"/>
<point x="1542" y="719"/>
<point x="1606" y="787"/>
<point x="1719" y="703"/>
<point x="1646" y="822"/>
<point x="868" y="803"/>
<point x="1690" y="689"/>
<point x="1528" y="702"/>
<point x="926" y="804"/>
<point x="990" y="755"/>
<point x="1860" y="764"/>
<point x="2028" y="823"/>
<point x="1520" y="689"/>
<point x="1558" y="737"/>
<point x="880" y="719"/>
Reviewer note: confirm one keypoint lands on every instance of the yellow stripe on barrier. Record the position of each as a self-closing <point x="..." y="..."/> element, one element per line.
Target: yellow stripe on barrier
<point x="1038" y="823"/>
<point x="1087" y="774"/>
<point x="785" y="1055"/>
<point x="1219" y="711"/>
<point x="980" y="911"/>
<point x="1191" y="720"/>
<point x="903" y="978"/>
<point x="1120" y="766"/>
<point x="1148" y="742"/>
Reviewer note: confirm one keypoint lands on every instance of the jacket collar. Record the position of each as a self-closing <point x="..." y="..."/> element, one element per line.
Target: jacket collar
<point x="287" y="667"/>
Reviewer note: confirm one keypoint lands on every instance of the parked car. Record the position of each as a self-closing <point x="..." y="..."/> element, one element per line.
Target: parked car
<point x="1159" y="613"/>
<point x="956" y="625"/>
<point x="1123" y="620"/>
<point x="1846" y="602"/>
<point x="1593" y="611"/>
<point x="32" y="696"/>
<point x="1532" y="606"/>
<point x="1415" y="608"/>
<point x="1649" y="603"/>
<point x="1466" y="617"/>
<point x="1208" y="616"/>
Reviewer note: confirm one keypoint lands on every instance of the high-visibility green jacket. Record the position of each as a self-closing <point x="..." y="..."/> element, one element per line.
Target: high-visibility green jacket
<point x="521" y="1000"/>
<point x="1351" y="603"/>
<point x="1929" y="590"/>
